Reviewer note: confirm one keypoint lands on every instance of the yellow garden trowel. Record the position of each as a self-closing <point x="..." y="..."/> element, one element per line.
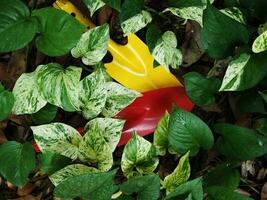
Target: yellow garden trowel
<point x="132" y="64"/>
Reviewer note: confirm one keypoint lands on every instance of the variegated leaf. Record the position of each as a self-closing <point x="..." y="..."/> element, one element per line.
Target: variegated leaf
<point x="136" y="23"/>
<point x="165" y="51"/>
<point x="93" y="94"/>
<point x="235" y="13"/>
<point x="160" y="141"/>
<point x="179" y="176"/>
<point x="138" y="154"/>
<point x="93" y="45"/>
<point x="94" y="149"/>
<point x="71" y="171"/>
<point x="59" y="86"/>
<point x="234" y="72"/>
<point x="118" y="97"/>
<point x="28" y="100"/>
<point x="59" y="138"/>
<point x="93" y="5"/>
<point x="111" y="129"/>
<point x="260" y="44"/>
<point x="193" y="13"/>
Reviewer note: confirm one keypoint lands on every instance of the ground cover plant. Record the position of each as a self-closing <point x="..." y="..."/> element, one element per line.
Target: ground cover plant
<point x="53" y="82"/>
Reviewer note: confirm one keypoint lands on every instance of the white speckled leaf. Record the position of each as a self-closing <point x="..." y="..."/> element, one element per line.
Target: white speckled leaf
<point x="59" y="138"/>
<point x="94" y="148"/>
<point x="111" y="129"/>
<point x="235" y="13"/>
<point x="234" y="72"/>
<point x="59" y="86"/>
<point x="140" y="155"/>
<point x="93" y="5"/>
<point x="118" y="97"/>
<point x="165" y="51"/>
<point x="71" y="171"/>
<point x="93" y="45"/>
<point x="260" y="44"/>
<point x="180" y="174"/>
<point x="160" y="140"/>
<point x="193" y="13"/>
<point x="28" y="100"/>
<point x="136" y="23"/>
<point x="93" y="94"/>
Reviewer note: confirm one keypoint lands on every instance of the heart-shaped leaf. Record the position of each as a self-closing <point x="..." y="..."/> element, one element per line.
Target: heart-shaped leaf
<point x="17" y="27"/>
<point x="6" y="102"/>
<point x="18" y="160"/>
<point x="59" y="31"/>
<point x="187" y="132"/>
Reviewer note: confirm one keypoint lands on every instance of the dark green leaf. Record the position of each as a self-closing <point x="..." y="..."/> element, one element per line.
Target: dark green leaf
<point x="51" y="162"/>
<point x="224" y="176"/>
<point x="187" y="132"/>
<point x="191" y="190"/>
<point x="6" y="102"/>
<point x="238" y="143"/>
<point x="131" y="8"/>
<point x="92" y="186"/>
<point x="250" y="102"/>
<point x="17" y="28"/>
<point x="45" y="115"/>
<point x="218" y="40"/>
<point x="17" y="161"/>
<point x="200" y="89"/>
<point x="261" y="126"/>
<point x="153" y="34"/>
<point x="222" y="193"/>
<point x="59" y="31"/>
<point x="116" y="4"/>
<point x="146" y="187"/>
<point x="264" y="96"/>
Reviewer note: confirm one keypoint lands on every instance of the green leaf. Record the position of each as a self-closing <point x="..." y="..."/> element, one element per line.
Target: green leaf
<point x="153" y="34"/>
<point x="260" y="43"/>
<point x="92" y="46"/>
<point x="136" y="23"/>
<point x="165" y="51"/>
<point x="118" y="97"/>
<point x="191" y="190"/>
<point x="146" y="187"/>
<point x="130" y="8"/>
<point x="59" y="31"/>
<point x="233" y="140"/>
<point x="17" y="28"/>
<point x="18" y="160"/>
<point x="160" y="140"/>
<point x="45" y="115"/>
<point x="111" y="129"/>
<point x="28" y="99"/>
<point x="51" y="162"/>
<point x="223" y="176"/>
<point x="187" y="132"/>
<point x="94" y="148"/>
<point x="261" y="126"/>
<point x="6" y="102"/>
<point x="218" y="40"/>
<point x="97" y="186"/>
<point x="235" y="13"/>
<point x="71" y="171"/>
<point x="264" y="96"/>
<point x="116" y="4"/>
<point x="93" y="94"/>
<point x="222" y="193"/>
<point x="93" y="5"/>
<point x="180" y="174"/>
<point x="58" y="138"/>
<point x="244" y="72"/>
<point x="58" y="86"/>
<point x="139" y="155"/>
<point x="200" y="89"/>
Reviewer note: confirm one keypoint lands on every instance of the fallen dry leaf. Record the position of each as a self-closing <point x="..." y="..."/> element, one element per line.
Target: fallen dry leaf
<point x="28" y="197"/>
<point x="25" y="190"/>
<point x="264" y="192"/>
